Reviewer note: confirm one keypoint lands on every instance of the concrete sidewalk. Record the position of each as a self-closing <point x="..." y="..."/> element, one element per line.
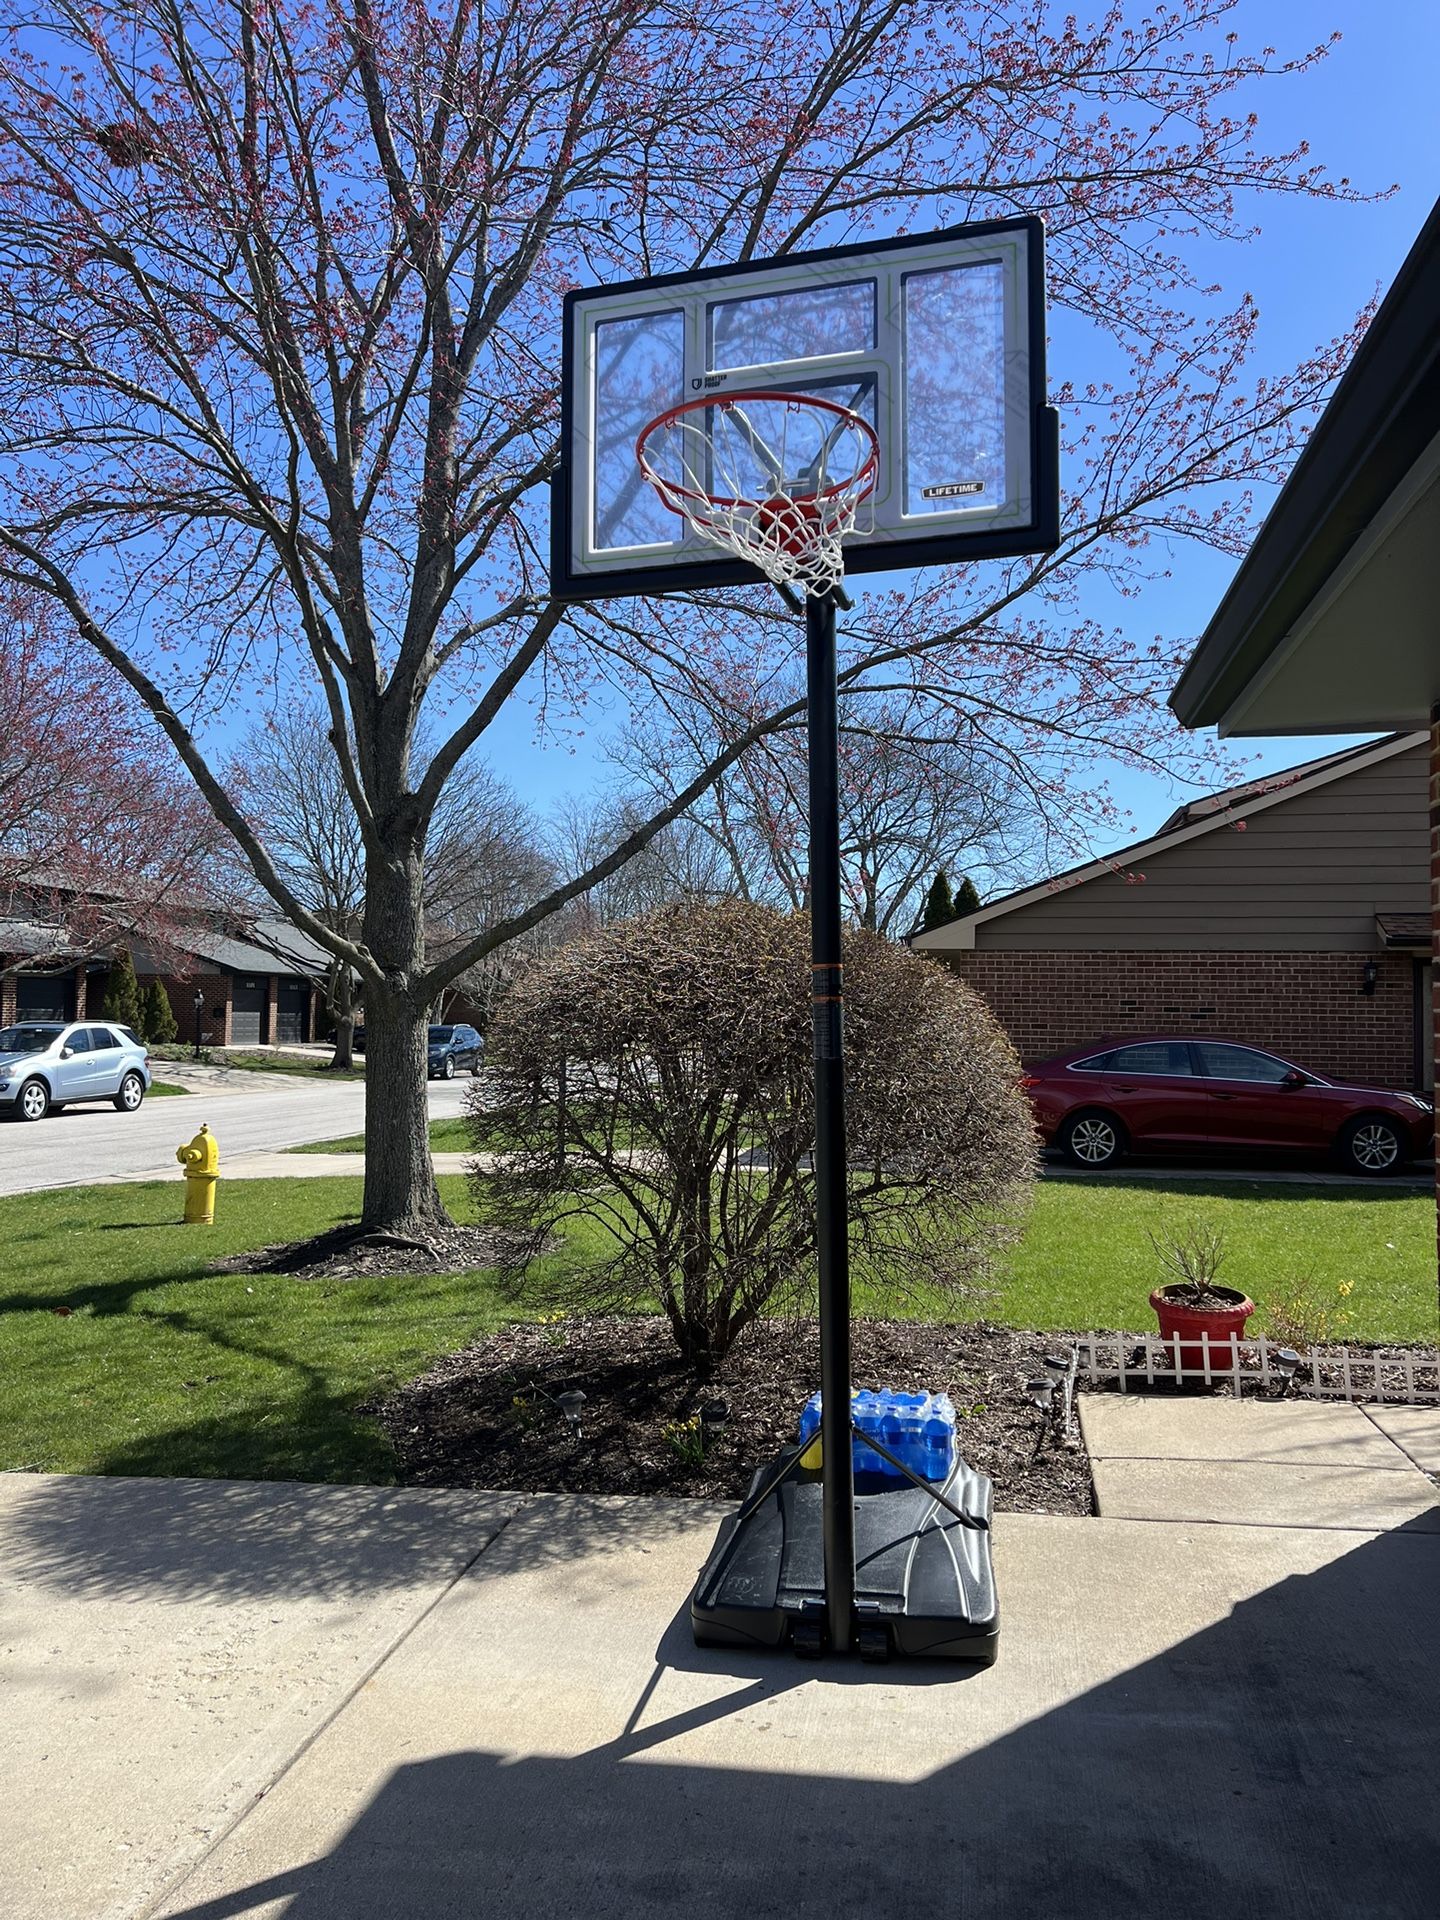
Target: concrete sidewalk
<point x="312" y="1166"/>
<point x="1293" y="1463"/>
<point x="327" y="1703"/>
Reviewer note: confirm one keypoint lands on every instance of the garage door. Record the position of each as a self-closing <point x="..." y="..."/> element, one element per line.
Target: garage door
<point x="247" y="1012"/>
<point x="292" y="1015"/>
<point x="45" y="996"/>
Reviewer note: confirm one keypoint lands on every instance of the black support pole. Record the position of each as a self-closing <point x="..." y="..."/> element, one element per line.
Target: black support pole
<point x="827" y="1015"/>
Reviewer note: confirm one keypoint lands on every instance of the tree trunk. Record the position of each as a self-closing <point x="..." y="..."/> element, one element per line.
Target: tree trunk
<point x="342" y="1008"/>
<point x="400" y="1190"/>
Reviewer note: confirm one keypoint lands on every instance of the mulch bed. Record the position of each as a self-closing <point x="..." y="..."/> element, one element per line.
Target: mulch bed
<point x="486" y="1417"/>
<point x="349" y="1253"/>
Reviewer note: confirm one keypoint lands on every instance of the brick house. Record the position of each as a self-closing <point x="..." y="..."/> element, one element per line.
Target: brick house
<point x="1291" y="912"/>
<point x="259" y="984"/>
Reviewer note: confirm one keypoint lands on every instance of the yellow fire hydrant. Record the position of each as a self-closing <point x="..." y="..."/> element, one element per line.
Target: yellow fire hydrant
<point x="201" y="1161"/>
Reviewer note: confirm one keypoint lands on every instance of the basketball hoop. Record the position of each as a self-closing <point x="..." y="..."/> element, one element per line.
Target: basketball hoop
<point x="932" y="444"/>
<point x="776" y="478"/>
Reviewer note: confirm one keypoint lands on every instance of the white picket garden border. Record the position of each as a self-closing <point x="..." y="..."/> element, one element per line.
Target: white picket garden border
<point x="1127" y="1358"/>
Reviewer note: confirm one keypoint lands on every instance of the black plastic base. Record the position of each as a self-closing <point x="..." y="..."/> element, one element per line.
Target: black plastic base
<point x="924" y="1581"/>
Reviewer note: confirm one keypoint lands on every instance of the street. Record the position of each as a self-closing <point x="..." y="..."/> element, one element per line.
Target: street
<point x="247" y="1112"/>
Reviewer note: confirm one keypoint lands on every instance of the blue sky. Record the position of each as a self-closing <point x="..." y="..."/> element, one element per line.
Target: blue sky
<point x="1368" y="111"/>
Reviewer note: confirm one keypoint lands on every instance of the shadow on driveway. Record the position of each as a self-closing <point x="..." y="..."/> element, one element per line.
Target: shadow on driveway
<point x="1277" y="1764"/>
<point x="156" y="1539"/>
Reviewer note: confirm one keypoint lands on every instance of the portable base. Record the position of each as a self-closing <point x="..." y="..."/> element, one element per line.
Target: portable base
<point x="924" y="1581"/>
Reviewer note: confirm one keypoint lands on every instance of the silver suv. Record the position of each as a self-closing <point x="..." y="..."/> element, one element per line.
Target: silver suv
<point x="45" y="1065"/>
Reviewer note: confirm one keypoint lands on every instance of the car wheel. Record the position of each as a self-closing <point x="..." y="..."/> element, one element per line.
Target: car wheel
<point x="475" y="1068"/>
<point x="33" y="1101"/>
<point x="132" y="1092"/>
<point x="448" y="1070"/>
<point x="1092" y="1140"/>
<point x="1372" y="1145"/>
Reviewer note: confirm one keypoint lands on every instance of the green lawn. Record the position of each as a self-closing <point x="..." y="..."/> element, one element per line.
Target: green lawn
<point x="163" y="1090"/>
<point x="446" y="1136"/>
<point x="120" y="1353"/>
<point x="287" y="1063"/>
<point x="1086" y="1259"/>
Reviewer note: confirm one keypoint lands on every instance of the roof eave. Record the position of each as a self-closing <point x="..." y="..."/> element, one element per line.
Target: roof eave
<point x="1379" y="421"/>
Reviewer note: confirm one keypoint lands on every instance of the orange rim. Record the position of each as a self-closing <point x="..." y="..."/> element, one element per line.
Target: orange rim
<point x="858" y="485"/>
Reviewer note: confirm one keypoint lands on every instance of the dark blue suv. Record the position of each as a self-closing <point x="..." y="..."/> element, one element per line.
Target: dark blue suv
<point x="452" y="1048"/>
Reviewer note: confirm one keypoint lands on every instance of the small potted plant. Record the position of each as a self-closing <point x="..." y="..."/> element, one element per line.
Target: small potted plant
<point x="1193" y="1304"/>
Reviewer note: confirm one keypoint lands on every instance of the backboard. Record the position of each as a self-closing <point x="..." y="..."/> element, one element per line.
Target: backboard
<point x="937" y="340"/>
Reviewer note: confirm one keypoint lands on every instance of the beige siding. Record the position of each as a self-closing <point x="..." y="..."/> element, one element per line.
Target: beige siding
<point x="1308" y="873"/>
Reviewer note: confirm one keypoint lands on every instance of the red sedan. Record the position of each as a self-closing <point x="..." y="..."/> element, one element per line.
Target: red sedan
<point x="1098" y="1102"/>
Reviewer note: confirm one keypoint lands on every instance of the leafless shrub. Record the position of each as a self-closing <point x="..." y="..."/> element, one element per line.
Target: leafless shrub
<point x="653" y="1079"/>
<point x="1191" y="1262"/>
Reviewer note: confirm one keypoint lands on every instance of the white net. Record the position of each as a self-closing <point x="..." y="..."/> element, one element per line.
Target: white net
<point x="778" y="479"/>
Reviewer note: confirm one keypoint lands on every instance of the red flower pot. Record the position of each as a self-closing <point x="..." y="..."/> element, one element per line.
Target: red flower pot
<point x="1191" y="1322"/>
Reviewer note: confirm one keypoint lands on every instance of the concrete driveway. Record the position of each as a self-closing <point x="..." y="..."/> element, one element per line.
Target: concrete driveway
<point x="337" y="1703"/>
<point x="248" y="1112"/>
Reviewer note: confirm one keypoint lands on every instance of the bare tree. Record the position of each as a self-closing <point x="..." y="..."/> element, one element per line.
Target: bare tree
<point x="296" y="797"/>
<point x="485" y="856"/>
<point x="279" y="391"/>
<point x="913" y="797"/>
<point x="489" y="859"/>
<point x="681" y="861"/>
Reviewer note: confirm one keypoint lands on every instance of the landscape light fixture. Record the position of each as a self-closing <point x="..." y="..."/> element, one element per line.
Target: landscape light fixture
<point x="199" y="1004"/>
<point x="1287" y="1364"/>
<point x="1041" y="1391"/>
<point x="714" y="1415"/>
<point x="570" y="1404"/>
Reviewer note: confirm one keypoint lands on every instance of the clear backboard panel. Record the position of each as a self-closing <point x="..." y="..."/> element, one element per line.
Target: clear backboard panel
<point x="744" y="449"/>
<point x="938" y="340"/>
